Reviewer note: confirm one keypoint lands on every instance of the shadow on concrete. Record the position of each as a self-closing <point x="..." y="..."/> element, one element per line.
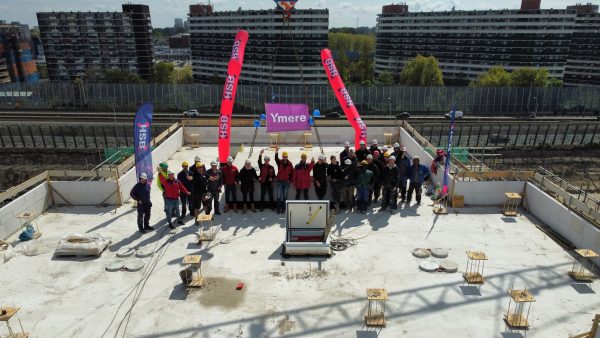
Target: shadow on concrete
<point x="509" y="219"/>
<point x="159" y="228"/>
<point x="470" y="290"/>
<point x="366" y="334"/>
<point x="512" y="335"/>
<point x="582" y="288"/>
<point x="110" y="221"/>
<point x="180" y="292"/>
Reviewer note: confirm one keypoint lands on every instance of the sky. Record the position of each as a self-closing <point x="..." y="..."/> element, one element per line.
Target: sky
<point x="342" y="13"/>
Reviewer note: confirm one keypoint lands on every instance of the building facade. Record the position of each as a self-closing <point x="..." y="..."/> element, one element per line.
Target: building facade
<point x="267" y="52"/>
<point x="468" y="43"/>
<point x="78" y="42"/>
<point x="17" y="63"/>
<point x="583" y="63"/>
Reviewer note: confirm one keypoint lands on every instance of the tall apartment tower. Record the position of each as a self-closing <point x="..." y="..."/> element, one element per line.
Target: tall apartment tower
<point x="267" y="52"/>
<point x="142" y="33"/>
<point x="583" y="62"/>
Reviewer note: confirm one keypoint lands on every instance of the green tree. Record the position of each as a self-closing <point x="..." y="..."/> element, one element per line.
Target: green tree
<point x="385" y="78"/>
<point x="528" y="76"/>
<point x="494" y="77"/>
<point x="163" y="72"/>
<point x="184" y="75"/>
<point x="118" y="76"/>
<point x="422" y="71"/>
<point x="554" y="82"/>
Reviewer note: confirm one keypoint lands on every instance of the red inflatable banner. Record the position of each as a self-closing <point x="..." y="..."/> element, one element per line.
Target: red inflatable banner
<point x="234" y="68"/>
<point x="360" y="128"/>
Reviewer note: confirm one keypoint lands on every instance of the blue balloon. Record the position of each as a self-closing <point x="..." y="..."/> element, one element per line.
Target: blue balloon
<point x="311" y="121"/>
<point x="256" y="123"/>
<point x="316" y="113"/>
<point x="263" y="117"/>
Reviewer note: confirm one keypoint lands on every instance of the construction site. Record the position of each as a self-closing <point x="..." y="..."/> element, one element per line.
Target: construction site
<point x="502" y="260"/>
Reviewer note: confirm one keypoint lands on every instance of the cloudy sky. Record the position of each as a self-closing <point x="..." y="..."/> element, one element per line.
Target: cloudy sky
<point x="342" y="12"/>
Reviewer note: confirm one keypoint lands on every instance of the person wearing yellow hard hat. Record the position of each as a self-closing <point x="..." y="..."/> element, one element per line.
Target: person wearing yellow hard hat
<point x="301" y="177"/>
<point x="285" y="172"/>
<point x="185" y="177"/>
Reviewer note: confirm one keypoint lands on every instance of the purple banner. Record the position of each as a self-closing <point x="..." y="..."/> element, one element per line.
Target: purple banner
<point x="141" y="139"/>
<point x="287" y="117"/>
<point x="449" y="152"/>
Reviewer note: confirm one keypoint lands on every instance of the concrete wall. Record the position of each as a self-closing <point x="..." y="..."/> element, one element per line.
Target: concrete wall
<point x="84" y="192"/>
<point x="487" y="192"/>
<point x="413" y="148"/>
<point x="551" y="212"/>
<point x="160" y="154"/>
<point x="33" y="201"/>
<point x="329" y="135"/>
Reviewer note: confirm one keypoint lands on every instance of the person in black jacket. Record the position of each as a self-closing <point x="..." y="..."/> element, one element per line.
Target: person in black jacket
<point x="336" y="176"/>
<point x="374" y="147"/>
<point x="389" y="180"/>
<point x="199" y="189"/>
<point x="320" y="177"/>
<point x="185" y="177"/>
<point x="246" y="177"/>
<point x="362" y="152"/>
<point x="215" y="183"/>
<point x="141" y="194"/>
<point x="375" y="168"/>
<point x="266" y="179"/>
<point x="348" y="172"/>
<point x="344" y="154"/>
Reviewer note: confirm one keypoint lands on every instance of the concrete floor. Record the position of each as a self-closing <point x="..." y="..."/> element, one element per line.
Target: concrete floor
<point x="76" y="297"/>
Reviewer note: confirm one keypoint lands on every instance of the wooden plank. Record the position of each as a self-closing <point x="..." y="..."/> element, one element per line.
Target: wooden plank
<point x="81" y="173"/>
<point x="14" y="191"/>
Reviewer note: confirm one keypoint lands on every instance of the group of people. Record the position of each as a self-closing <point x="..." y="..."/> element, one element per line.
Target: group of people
<point x="357" y="180"/>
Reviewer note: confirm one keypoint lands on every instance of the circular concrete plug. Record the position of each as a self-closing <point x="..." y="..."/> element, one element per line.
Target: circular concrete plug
<point x="449" y="266"/>
<point x="439" y="253"/>
<point x="115" y="265"/>
<point x="144" y="252"/>
<point x="125" y="252"/>
<point x="428" y="266"/>
<point x="134" y="265"/>
<point x="421" y="253"/>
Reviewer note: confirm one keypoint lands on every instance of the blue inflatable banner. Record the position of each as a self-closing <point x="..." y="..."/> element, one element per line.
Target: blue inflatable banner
<point x="142" y="138"/>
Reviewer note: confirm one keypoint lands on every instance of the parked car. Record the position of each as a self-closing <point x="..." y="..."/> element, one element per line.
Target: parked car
<point x="457" y="115"/>
<point x="191" y="113"/>
<point x="333" y="115"/>
<point x="403" y="116"/>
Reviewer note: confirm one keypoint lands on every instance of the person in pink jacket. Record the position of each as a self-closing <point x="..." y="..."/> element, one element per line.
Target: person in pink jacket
<point x="301" y="178"/>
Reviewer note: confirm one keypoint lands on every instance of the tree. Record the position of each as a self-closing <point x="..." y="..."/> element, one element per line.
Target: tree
<point x="422" y="71"/>
<point x="528" y="76"/>
<point x="554" y="82"/>
<point x="120" y="76"/>
<point x="385" y="78"/>
<point x="494" y="77"/>
<point x="184" y="75"/>
<point x="163" y="72"/>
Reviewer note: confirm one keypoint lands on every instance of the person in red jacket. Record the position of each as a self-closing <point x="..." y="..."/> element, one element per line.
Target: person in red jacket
<point x="301" y="178"/>
<point x="230" y="173"/>
<point x="285" y="172"/>
<point x="172" y="188"/>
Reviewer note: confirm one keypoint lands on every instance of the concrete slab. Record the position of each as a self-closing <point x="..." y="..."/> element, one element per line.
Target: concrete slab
<point x="76" y="297"/>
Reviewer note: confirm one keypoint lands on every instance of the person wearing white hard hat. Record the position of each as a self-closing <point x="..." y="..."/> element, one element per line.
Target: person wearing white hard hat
<point x="362" y="152"/>
<point x="374" y="147"/>
<point x="403" y="164"/>
<point x="344" y="154"/>
<point x="375" y="167"/>
<point x="418" y="174"/>
<point x="336" y="177"/>
<point x="320" y="177"/>
<point x="348" y="172"/>
<point x="246" y="177"/>
<point x="267" y="179"/>
<point x="185" y="177"/>
<point x="215" y="184"/>
<point x="389" y="182"/>
<point x="141" y="194"/>
<point x="230" y="173"/>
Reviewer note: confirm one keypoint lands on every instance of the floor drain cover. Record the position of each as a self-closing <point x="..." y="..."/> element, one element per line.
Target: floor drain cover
<point x="439" y="253"/>
<point x="115" y="266"/>
<point x="125" y="252"/>
<point x="421" y="253"/>
<point x="134" y="265"/>
<point x="449" y="266"/>
<point x="144" y="252"/>
<point x="429" y="266"/>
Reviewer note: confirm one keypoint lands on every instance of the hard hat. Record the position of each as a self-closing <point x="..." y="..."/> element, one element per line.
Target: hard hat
<point x="387" y="154"/>
<point x="416" y="158"/>
<point x="267" y="158"/>
<point x="374" y="141"/>
<point x="385" y="148"/>
<point x="348" y="161"/>
<point x="170" y="173"/>
<point x="229" y="159"/>
<point x="439" y="151"/>
<point x="370" y="156"/>
<point x="322" y="157"/>
<point x="144" y="176"/>
<point x="396" y="145"/>
<point x="247" y="162"/>
<point x="346" y="144"/>
<point x="393" y="158"/>
<point x="361" y="142"/>
<point x="303" y="155"/>
<point x="197" y="159"/>
<point x="376" y="153"/>
<point x="285" y="153"/>
<point x="164" y="165"/>
<point x="199" y="164"/>
<point x="363" y="162"/>
<point x="213" y="163"/>
<point x="185" y="163"/>
<point x="403" y="148"/>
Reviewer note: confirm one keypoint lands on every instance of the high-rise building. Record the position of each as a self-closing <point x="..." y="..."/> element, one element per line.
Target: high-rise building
<point x="267" y="52"/>
<point x="16" y="58"/>
<point x="178" y="23"/>
<point x="76" y="42"/>
<point x="583" y="62"/>
<point x="468" y="43"/>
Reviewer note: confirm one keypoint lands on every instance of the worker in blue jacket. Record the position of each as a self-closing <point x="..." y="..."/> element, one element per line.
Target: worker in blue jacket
<point x="141" y="194"/>
<point x="417" y="174"/>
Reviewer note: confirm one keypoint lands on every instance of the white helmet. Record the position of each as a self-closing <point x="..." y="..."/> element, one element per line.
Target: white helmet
<point x="197" y="159"/>
<point x="144" y="176"/>
<point x="229" y="159"/>
<point x="375" y="142"/>
<point x="396" y="145"/>
<point x="213" y="163"/>
<point x="370" y="156"/>
<point x="322" y="157"/>
<point x="346" y="144"/>
<point x="393" y="158"/>
<point x="348" y="161"/>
